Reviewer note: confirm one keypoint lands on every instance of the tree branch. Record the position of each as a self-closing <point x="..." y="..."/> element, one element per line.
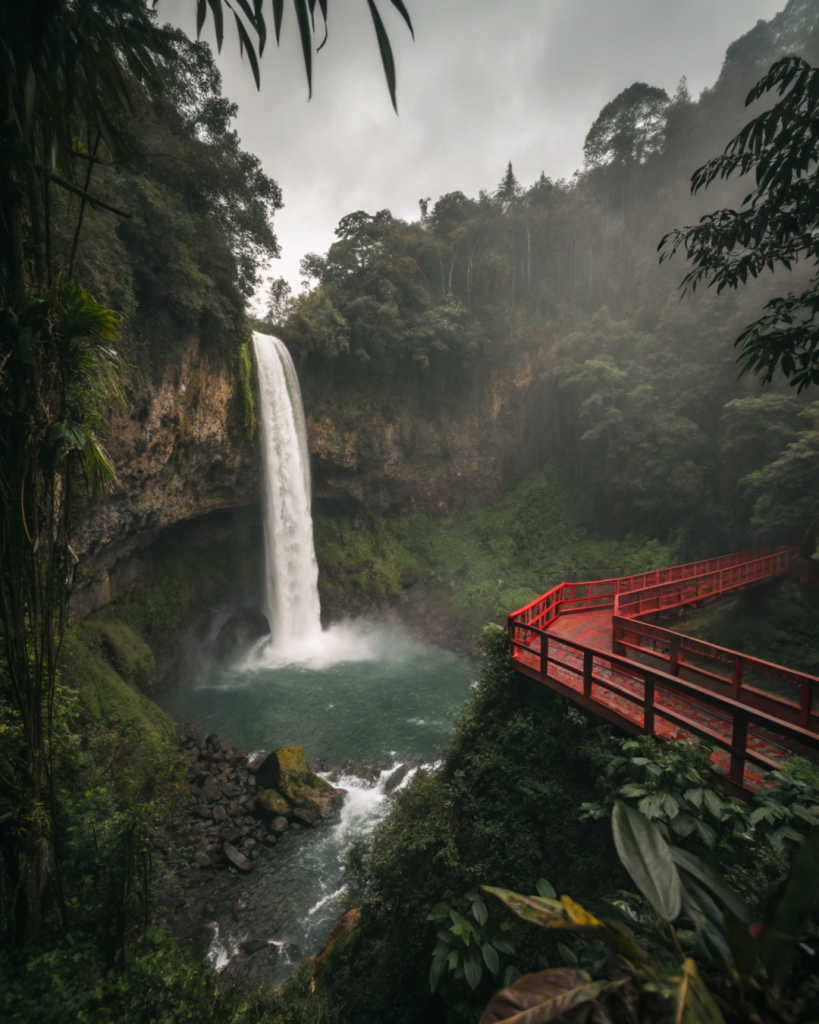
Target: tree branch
<point x="84" y="195"/>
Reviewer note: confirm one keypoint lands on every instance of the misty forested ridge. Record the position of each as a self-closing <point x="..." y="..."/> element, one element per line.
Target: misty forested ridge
<point x="271" y="558"/>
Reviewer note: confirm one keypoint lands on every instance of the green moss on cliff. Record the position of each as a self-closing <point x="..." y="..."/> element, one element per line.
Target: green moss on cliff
<point x="112" y="702"/>
<point x="367" y="561"/>
<point x="495" y="559"/>
<point x="180" y="581"/>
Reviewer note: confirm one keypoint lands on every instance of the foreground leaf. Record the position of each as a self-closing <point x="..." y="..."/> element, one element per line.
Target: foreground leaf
<point x="694" y="1003"/>
<point x="538" y="998"/>
<point x="569" y="916"/>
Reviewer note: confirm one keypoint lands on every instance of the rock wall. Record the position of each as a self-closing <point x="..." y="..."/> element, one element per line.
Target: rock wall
<point x="180" y="451"/>
<point x="379" y="449"/>
<point x="431" y="447"/>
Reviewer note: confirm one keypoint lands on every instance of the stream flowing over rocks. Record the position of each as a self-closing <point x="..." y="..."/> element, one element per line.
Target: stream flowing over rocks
<point x="246" y="814"/>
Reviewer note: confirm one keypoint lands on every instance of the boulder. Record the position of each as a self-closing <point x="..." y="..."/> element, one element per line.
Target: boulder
<point x="211" y="791"/>
<point x="287" y="772"/>
<point x="242" y="629"/>
<point x="237" y="859"/>
<point x="397" y="777"/>
<point x="251" y="946"/>
<point x="306" y="816"/>
<point x="273" y="803"/>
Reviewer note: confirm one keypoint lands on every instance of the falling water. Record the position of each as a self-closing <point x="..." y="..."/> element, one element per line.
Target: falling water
<point x="291" y="572"/>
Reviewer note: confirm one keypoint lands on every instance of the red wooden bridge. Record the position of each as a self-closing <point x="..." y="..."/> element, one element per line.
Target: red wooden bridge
<point x="592" y="642"/>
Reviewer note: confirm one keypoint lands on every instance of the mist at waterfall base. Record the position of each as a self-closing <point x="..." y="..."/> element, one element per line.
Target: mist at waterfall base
<point x="360" y="691"/>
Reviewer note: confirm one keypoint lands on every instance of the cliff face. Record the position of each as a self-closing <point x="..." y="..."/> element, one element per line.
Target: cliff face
<point x="428" y="448"/>
<point x="180" y="451"/>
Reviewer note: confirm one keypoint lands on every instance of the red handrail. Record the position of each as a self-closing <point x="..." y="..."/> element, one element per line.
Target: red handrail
<point x="639" y="684"/>
<point x="631" y="597"/>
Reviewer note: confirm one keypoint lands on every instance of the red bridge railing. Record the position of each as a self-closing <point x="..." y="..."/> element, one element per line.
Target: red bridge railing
<point x="641" y="699"/>
<point x="683" y="585"/>
<point x="701" y="688"/>
<point x="782" y="693"/>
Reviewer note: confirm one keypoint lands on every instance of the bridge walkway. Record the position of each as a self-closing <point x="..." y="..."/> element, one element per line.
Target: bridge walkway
<point x="592" y="642"/>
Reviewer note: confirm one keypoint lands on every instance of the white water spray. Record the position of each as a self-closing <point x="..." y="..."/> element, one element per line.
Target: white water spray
<point x="291" y="572"/>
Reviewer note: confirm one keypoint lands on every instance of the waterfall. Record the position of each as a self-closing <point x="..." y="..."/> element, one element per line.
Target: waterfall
<point x="291" y="572"/>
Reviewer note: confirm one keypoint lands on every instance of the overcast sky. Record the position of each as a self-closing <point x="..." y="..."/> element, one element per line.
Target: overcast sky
<point x="486" y="81"/>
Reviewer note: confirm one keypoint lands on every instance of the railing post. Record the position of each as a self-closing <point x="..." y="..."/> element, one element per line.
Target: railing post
<point x="739" y="741"/>
<point x="544" y="657"/>
<point x="736" y="682"/>
<point x="806" y="700"/>
<point x="587" y="673"/>
<point x="674" y="657"/>
<point x="648" y="706"/>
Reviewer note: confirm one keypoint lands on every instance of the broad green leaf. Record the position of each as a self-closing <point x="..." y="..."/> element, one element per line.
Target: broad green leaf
<point x="436" y="972"/>
<point x="569" y="916"/>
<point x="472" y="969"/>
<point x="479" y="912"/>
<point x="510" y="975"/>
<point x="708" y="878"/>
<point x="694" y="796"/>
<point x="439" y="912"/>
<point x="545" y="912"/>
<point x="806" y="814"/>
<point x="651" y="806"/>
<point x="504" y="946"/>
<point x="707" y="834"/>
<point x="545" y="889"/>
<point x="683" y="825"/>
<point x="490" y="957"/>
<point x="448" y="938"/>
<point x="461" y="922"/>
<point x="540" y="998"/>
<point x="569" y="955"/>
<point x="647" y="858"/>
<point x="713" y="804"/>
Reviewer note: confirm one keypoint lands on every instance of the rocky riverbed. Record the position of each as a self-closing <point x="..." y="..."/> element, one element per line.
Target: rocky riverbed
<point x="242" y="812"/>
<point x="243" y="808"/>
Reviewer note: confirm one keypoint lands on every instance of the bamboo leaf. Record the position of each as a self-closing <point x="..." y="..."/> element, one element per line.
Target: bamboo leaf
<point x="303" y="19"/>
<point x="384" y="47"/>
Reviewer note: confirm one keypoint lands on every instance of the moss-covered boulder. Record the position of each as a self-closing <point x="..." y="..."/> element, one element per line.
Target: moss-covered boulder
<point x="273" y="803"/>
<point x="286" y="773"/>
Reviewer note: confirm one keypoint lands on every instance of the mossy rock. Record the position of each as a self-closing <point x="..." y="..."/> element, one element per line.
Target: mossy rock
<point x="273" y="803"/>
<point x="286" y="772"/>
